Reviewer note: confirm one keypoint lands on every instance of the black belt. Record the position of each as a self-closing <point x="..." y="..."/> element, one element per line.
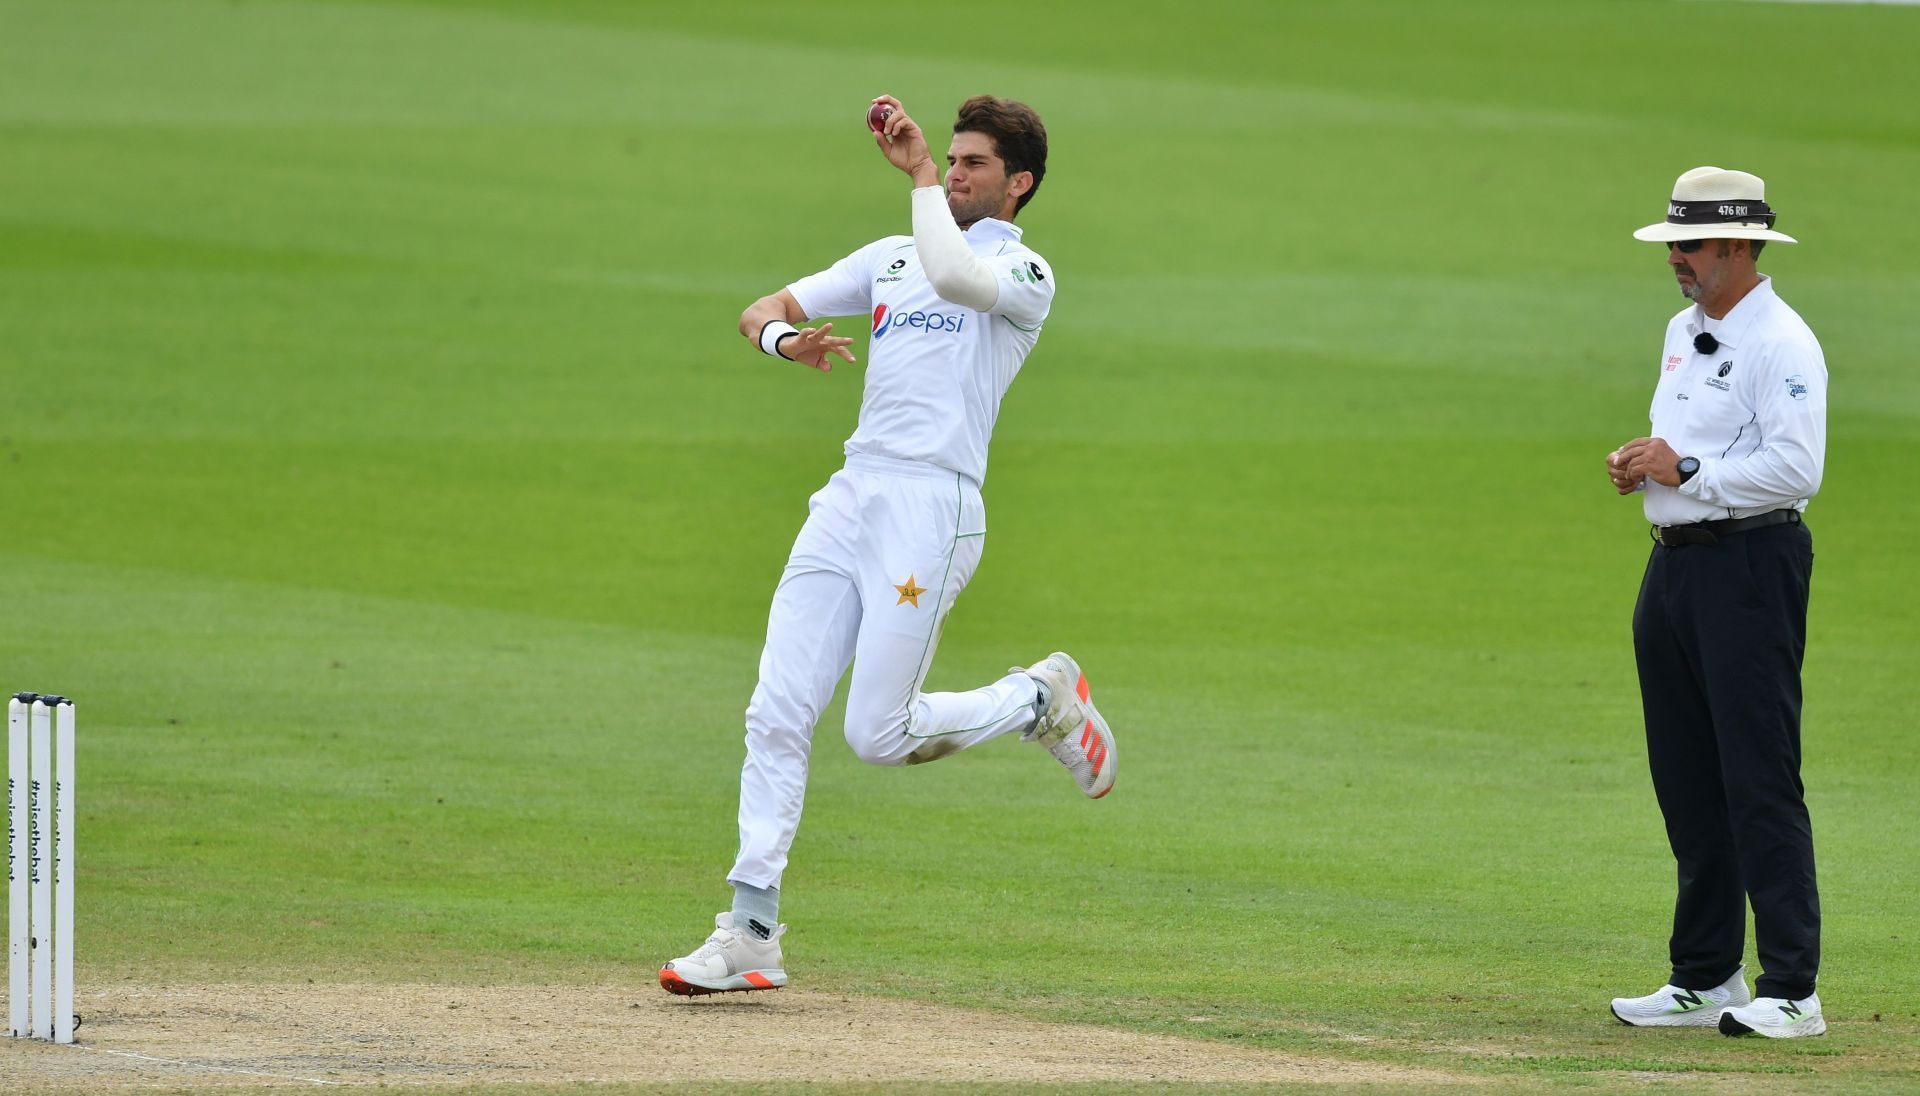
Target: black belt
<point x="1710" y="532"/>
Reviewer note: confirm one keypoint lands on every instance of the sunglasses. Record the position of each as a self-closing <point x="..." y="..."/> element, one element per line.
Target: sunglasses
<point x="1688" y="247"/>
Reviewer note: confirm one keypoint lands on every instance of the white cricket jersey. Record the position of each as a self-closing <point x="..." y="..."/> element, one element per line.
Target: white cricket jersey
<point x="935" y="370"/>
<point x="1754" y="412"/>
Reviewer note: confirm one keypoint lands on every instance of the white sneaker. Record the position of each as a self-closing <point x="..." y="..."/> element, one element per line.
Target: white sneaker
<point x="732" y="960"/>
<point x="1671" y="1006"/>
<point x="1776" y="1018"/>
<point x="1071" y="728"/>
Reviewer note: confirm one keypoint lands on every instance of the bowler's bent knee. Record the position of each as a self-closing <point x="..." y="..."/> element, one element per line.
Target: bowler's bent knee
<point x="880" y="740"/>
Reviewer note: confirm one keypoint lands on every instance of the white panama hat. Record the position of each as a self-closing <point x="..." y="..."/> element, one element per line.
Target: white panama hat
<point x="1712" y="203"/>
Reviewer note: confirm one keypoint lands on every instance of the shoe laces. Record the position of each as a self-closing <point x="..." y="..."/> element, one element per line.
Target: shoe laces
<point x="1069" y="751"/>
<point x="716" y="944"/>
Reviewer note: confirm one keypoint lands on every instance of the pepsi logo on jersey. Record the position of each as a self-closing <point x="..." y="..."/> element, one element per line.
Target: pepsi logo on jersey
<point x="885" y="321"/>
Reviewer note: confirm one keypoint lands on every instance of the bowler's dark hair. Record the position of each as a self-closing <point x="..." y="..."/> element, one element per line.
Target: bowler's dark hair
<point x="1017" y="135"/>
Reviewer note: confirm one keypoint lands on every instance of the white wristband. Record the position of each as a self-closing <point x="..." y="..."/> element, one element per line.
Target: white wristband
<point x="771" y="334"/>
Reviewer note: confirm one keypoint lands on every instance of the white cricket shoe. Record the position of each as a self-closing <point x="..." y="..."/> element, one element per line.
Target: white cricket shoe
<point x="1071" y="728"/>
<point x="1776" y="1018"/>
<point x="732" y="960"/>
<point x="1671" y="1006"/>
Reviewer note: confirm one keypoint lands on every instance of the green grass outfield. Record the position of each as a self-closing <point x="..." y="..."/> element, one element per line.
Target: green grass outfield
<point x="382" y="472"/>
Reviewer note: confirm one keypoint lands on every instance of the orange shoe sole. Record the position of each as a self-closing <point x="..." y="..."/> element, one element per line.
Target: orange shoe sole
<point x="673" y="983"/>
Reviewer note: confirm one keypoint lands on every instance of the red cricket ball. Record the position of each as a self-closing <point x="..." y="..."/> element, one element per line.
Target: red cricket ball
<point x="877" y="116"/>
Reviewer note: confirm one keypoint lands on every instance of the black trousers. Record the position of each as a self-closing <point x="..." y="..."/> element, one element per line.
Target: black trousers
<point x="1718" y="633"/>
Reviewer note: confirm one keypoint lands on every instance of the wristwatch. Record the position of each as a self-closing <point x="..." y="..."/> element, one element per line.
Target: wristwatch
<point x="1687" y="467"/>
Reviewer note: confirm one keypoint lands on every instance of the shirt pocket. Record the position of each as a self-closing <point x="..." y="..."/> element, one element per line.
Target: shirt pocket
<point x="973" y="512"/>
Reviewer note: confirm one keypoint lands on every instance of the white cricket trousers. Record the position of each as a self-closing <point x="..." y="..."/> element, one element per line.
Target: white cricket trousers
<point x="887" y="547"/>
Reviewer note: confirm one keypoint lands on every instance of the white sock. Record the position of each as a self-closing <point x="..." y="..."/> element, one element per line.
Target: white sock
<point x="756" y="909"/>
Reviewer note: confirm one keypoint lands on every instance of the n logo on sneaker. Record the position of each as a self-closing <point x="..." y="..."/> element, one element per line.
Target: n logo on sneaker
<point x="1793" y="1010"/>
<point x="1688" y="1001"/>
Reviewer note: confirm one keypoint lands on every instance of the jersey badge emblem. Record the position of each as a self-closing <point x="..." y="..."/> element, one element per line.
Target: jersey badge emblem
<point x="910" y="593"/>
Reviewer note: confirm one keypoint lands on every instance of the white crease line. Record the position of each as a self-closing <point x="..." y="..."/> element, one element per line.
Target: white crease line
<point x="202" y="1065"/>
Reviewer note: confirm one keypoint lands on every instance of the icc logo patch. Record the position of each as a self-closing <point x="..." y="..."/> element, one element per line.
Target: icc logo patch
<point x="1797" y="387"/>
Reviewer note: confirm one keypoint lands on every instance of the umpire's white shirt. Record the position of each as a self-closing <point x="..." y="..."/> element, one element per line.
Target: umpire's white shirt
<point x="1754" y="412"/>
<point x="935" y="370"/>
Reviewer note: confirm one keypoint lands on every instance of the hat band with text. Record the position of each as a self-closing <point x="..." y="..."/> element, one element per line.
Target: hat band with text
<point x="1719" y="213"/>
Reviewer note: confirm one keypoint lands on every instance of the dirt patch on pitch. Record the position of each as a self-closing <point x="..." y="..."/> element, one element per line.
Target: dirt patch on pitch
<point x="229" y="1036"/>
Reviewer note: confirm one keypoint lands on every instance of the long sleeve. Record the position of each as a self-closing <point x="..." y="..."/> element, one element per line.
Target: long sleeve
<point x="955" y="272"/>
<point x="1783" y="462"/>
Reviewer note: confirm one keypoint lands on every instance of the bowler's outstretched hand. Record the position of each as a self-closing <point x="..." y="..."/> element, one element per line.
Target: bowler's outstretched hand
<point x="815" y="345"/>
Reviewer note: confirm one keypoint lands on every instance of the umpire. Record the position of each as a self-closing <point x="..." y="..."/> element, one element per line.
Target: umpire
<point x="1738" y="439"/>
